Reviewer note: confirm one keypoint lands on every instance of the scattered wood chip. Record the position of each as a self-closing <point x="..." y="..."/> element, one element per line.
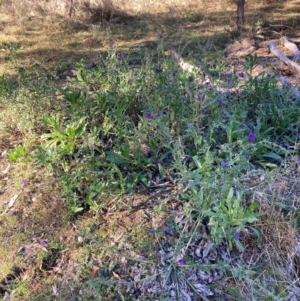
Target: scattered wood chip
<point x="13" y="200"/>
<point x="6" y="170"/>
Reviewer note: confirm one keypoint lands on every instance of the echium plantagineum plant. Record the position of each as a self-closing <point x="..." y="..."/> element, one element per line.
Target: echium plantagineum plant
<point x="229" y="217"/>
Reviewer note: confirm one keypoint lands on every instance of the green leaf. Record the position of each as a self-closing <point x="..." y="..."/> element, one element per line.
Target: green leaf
<point x="125" y="150"/>
<point x="252" y="206"/>
<point x="250" y="218"/>
<point x="270" y="165"/>
<point x="185" y="195"/>
<point x="282" y="205"/>
<point x="160" y="170"/>
<point x="116" y="158"/>
<point x="290" y="139"/>
<point x="197" y="162"/>
<point x="272" y="156"/>
<point x="239" y="245"/>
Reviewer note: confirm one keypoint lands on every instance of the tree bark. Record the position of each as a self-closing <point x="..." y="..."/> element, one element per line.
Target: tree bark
<point x="240" y="15"/>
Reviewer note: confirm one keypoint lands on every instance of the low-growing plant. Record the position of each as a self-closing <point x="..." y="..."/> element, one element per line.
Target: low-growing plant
<point x="228" y="218"/>
<point x="63" y="137"/>
<point x="18" y="153"/>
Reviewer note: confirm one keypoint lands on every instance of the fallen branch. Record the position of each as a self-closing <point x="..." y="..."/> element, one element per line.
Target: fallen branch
<point x="291" y="46"/>
<point x="287" y="85"/>
<point x="184" y="65"/>
<point x="244" y="52"/>
<point x="273" y="48"/>
<point x="191" y="68"/>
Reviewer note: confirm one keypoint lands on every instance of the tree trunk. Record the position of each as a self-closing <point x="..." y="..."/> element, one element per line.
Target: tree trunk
<point x="240" y="15"/>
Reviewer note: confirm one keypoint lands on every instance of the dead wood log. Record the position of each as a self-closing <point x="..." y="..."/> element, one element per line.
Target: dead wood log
<point x="292" y="47"/>
<point x="273" y="48"/>
<point x="184" y="65"/>
<point x="287" y="85"/>
<point x="265" y="44"/>
<point x="244" y="52"/>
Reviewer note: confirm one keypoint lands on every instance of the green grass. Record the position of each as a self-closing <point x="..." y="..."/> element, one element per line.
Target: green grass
<point x="132" y="159"/>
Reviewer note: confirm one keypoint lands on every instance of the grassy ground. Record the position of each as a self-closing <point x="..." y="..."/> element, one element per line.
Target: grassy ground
<point x="125" y="178"/>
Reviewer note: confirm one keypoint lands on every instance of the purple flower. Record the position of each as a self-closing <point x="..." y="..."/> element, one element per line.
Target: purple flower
<point x="160" y="35"/>
<point x="181" y="261"/>
<point x="235" y="192"/>
<point x="94" y="119"/>
<point x="226" y="53"/>
<point x="207" y="83"/>
<point x="199" y="97"/>
<point x="98" y="53"/>
<point x="298" y="160"/>
<point x="250" y="168"/>
<point x="251" y="137"/>
<point x="185" y="159"/>
<point x="158" y="114"/>
<point x="119" y="55"/>
<point x="157" y="70"/>
<point x="44" y="242"/>
<point x="237" y="236"/>
<point x="225" y="164"/>
<point x="169" y="230"/>
<point x="24" y="182"/>
<point x="62" y="128"/>
<point x="220" y="100"/>
<point x="241" y="74"/>
<point x="149" y="116"/>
